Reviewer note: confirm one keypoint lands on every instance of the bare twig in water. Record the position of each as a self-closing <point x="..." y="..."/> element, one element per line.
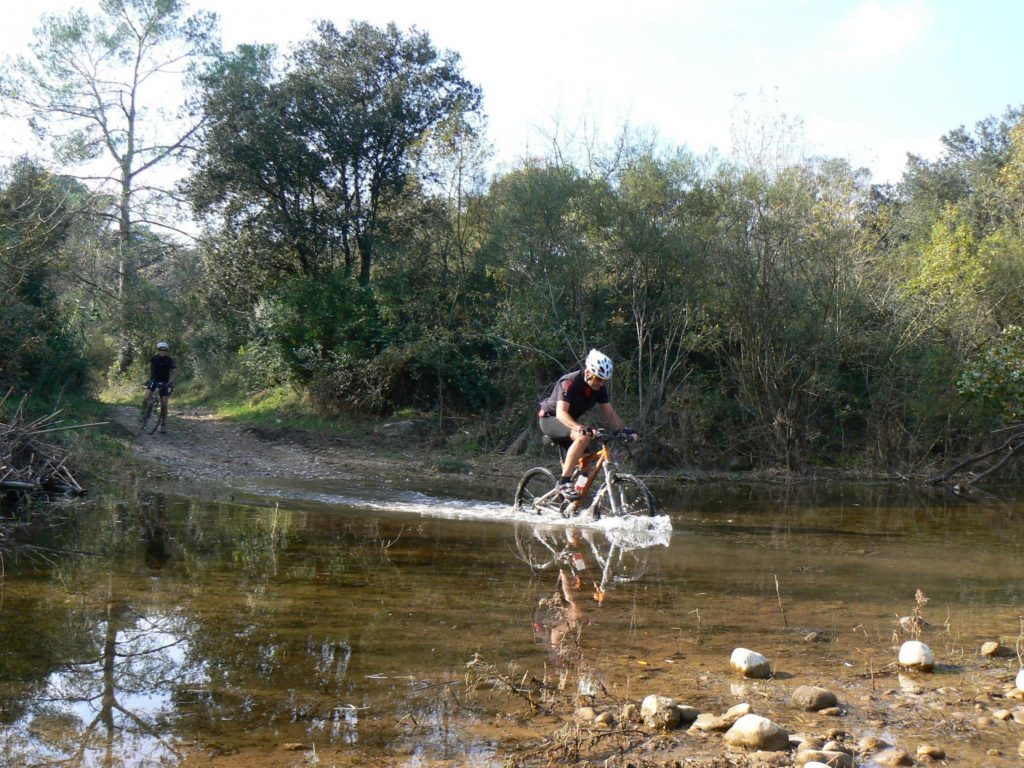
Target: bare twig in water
<point x="779" y="595"/>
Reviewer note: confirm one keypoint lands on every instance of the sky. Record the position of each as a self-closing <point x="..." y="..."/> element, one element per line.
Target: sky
<point x="868" y="80"/>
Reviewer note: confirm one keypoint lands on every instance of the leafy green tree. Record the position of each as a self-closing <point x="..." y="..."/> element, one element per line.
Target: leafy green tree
<point x="997" y="375"/>
<point x="659" y="308"/>
<point x="784" y="247"/>
<point x="96" y="88"/>
<point x="39" y="344"/>
<point x="546" y="234"/>
<point x="311" y="157"/>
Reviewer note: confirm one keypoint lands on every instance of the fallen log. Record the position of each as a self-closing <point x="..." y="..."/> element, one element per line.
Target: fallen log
<point x="973" y="469"/>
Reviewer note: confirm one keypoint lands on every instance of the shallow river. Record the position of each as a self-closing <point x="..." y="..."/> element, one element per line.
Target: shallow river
<point x="339" y="622"/>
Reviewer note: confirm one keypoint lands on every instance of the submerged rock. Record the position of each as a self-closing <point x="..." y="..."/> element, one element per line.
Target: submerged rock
<point x="756" y="732"/>
<point x="709" y="722"/>
<point x="912" y="624"/>
<point x="585" y="714"/>
<point x="995" y="649"/>
<point x="750" y="664"/>
<point x="930" y="752"/>
<point x="1020" y="680"/>
<point x="891" y="758"/>
<point x="871" y="744"/>
<point x="811" y="698"/>
<point x="605" y="718"/>
<point x="830" y="758"/>
<point x="916" y="655"/>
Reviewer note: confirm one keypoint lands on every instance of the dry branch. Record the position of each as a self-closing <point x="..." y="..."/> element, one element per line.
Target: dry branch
<point x="1009" y="448"/>
<point x="29" y="465"/>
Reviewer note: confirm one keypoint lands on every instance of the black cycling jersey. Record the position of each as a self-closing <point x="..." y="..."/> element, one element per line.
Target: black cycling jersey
<point x="160" y="368"/>
<point x="573" y="389"/>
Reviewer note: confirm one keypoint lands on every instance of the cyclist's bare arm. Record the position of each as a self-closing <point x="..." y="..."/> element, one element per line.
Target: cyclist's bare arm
<point x="612" y="417"/>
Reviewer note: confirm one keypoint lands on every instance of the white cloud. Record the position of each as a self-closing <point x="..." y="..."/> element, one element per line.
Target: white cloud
<point x="877" y="31"/>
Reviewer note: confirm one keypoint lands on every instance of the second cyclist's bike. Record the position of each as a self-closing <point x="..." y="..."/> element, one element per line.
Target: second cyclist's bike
<point x="149" y="415"/>
<point x="605" y="490"/>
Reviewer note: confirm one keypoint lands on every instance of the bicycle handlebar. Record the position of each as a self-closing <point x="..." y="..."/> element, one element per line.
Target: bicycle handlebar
<point x="613" y="435"/>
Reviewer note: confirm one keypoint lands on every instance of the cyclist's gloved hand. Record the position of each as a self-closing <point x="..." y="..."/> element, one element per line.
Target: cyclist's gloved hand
<point x="631" y="434"/>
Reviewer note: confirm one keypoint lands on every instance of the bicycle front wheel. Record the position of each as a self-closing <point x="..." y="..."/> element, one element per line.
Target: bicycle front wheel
<point x="624" y="495"/>
<point x="536" y="491"/>
<point x="150" y="418"/>
<point x="537" y="546"/>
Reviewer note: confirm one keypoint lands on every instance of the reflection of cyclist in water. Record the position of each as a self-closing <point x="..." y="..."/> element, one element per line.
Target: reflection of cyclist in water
<point x="559" y="618"/>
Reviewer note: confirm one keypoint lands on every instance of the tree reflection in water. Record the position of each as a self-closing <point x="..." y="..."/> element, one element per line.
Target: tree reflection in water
<point x="213" y="626"/>
<point x="114" y="661"/>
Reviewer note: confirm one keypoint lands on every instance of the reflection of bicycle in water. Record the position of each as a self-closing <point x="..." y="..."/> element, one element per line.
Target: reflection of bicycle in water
<point x="612" y="556"/>
<point x="616" y="493"/>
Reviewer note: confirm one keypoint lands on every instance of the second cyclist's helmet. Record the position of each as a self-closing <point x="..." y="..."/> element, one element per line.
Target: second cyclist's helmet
<point x="162" y="345"/>
<point x="599" y="364"/>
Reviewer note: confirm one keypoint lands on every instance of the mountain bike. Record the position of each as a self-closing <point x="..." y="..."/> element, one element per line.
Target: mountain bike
<point x="616" y="493"/>
<point x="149" y="416"/>
<point x="615" y="556"/>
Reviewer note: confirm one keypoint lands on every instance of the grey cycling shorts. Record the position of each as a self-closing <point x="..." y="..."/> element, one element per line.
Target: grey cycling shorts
<point x="553" y="428"/>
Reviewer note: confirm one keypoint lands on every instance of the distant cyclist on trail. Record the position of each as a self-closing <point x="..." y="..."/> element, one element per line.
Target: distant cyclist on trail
<point x="573" y="395"/>
<point x="162" y="374"/>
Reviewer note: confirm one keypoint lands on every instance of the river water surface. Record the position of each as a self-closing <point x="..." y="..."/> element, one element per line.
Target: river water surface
<point x="301" y="624"/>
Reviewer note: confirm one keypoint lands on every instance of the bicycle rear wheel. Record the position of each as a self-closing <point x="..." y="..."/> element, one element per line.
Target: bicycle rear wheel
<point x="536" y="492"/>
<point x="630" y="496"/>
<point x="150" y="418"/>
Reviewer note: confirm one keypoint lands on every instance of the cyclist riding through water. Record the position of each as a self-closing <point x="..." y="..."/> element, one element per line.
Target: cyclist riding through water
<point x="162" y="374"/>
<point x="572" y="396"/>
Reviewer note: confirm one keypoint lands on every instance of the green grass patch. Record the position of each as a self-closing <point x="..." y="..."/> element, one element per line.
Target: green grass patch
<point x="279" y="407"/>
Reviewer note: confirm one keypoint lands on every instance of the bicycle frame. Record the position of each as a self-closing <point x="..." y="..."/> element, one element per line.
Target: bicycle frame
<point x="602" y="460"/>
<point x="539" y="490"/>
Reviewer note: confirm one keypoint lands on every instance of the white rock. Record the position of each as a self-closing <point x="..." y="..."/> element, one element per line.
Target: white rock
<point x="736" y="712"/>
<point x="660" y="712"/>
<point x="756" y="732"/>
<point x="916" y="655"/>
<point x="1020" y="680"/>
<point x="824" y="757"/>
<point x="653" y="703"/>
<point x="750" y="664"/>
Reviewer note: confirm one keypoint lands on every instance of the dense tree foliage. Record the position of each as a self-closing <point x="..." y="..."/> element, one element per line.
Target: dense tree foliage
<point x="40" y="342"/>
<point x="94" y="88"/>
<point x="309" y="159"/>
<point x="765" y="309"/>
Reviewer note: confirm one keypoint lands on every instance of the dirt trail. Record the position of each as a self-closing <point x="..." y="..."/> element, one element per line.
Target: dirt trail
<point x="200" y="446"/>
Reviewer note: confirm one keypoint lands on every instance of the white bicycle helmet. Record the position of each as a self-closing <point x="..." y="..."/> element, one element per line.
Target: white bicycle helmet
<point x="599" y="364"/>
<point x="163" y="345"/>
